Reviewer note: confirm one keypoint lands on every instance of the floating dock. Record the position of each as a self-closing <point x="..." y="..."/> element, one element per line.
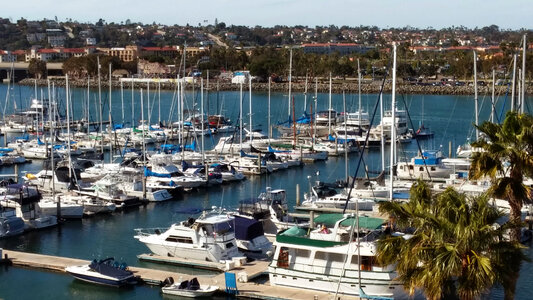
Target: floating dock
<point x="248" y="289"/>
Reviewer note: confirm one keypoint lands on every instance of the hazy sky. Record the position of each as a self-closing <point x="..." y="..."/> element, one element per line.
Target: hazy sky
<point x="508" y="14"/>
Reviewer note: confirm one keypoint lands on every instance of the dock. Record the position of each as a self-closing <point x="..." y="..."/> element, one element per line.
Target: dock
<point x="248" y="289"/>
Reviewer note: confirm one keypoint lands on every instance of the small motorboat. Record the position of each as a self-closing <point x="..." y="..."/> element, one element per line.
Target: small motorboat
<point x="188" y="288"/>
<point x="106" y="272"/>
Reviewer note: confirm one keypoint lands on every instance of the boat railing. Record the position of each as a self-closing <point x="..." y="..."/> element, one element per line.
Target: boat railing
<point x="150" y="231"/>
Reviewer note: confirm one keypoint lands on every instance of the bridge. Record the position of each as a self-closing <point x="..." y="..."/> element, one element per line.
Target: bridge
<point x="21" y="69"/>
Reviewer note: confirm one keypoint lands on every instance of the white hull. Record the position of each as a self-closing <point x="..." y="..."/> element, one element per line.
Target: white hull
<point x="202" y="292"/>
<point x="328" y="283"/>
<point x="69" y="211"/>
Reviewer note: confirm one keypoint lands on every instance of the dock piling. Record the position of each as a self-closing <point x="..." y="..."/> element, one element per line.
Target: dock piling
<point x="298" y="194"/>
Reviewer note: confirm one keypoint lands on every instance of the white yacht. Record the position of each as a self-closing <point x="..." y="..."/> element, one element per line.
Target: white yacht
<point x="211" y="237"/>
<point x="427" y="166"/>
<point x="327" y="259"/>
<point x="231" y="144"/>
<point x="23" y="199"/>
<point x="324" y="195"/>
<point x="69" y="209"/>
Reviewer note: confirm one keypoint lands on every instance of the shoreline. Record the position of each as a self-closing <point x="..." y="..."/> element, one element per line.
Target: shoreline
<point x="337" y="87"/>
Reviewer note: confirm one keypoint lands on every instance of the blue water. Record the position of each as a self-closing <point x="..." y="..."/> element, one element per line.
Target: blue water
<point x="451" y="117"/>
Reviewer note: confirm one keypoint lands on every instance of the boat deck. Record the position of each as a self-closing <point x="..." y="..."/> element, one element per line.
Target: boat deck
<point x="250" y="289"/>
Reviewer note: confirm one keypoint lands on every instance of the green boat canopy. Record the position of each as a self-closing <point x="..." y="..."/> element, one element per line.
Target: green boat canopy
<point x="295" y="231"/>
<point x="364" y="222"/>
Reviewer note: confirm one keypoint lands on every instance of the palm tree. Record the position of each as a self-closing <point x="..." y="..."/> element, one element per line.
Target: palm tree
<point x="454" y="249"/>
<point x="506" y="157"/>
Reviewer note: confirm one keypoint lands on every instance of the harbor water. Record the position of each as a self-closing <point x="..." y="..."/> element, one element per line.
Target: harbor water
<point x="450" y="117"/>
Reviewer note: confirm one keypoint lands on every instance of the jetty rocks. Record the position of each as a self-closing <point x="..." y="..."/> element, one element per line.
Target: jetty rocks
<point x="349" y="86"/>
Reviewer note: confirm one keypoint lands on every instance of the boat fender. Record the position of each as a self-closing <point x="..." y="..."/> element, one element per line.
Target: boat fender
<point x="168" y="281"/>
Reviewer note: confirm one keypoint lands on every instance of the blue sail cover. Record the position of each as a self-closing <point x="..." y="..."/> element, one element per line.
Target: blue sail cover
<point x="148" y="173"/>
<point x="305" y="119"/>
<point x="118" y="126"/>
<point x="243" y="154"/>
<point x="193" y="146"/>
<point x="247" y="229"/>
<point x="270" y="149"/>
<point x="39" y="142"/>
<point x="339" y="140"/>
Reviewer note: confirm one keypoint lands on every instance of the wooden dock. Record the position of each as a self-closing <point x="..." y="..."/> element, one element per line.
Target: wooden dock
<point x="249" y="289"/>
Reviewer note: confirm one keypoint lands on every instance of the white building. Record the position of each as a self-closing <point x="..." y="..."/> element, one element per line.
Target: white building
<point x="7" y="56"/>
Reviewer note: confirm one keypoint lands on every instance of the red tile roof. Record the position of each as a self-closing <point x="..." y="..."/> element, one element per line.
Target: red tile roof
<point x="73" y="50"/>
<point x="159" y="49"/>
<point x="48" y="51"/>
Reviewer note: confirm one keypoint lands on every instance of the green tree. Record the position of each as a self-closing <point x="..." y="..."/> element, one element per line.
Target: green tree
<point x="37" y="68"/>
<point x="506" y="156"/>
<point x="454" y="251"/>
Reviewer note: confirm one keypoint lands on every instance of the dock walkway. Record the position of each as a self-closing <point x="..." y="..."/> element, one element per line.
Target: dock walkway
<point x="250" y="290"/>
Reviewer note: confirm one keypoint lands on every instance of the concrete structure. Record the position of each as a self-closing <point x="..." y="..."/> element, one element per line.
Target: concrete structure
<point x="247" y="289"/>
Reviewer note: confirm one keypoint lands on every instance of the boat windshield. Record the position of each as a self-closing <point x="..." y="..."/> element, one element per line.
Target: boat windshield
<point x="224" y="228"/>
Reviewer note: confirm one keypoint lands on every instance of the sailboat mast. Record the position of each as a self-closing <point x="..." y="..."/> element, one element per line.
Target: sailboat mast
<point x="250" y="108"/>
<point x="122" y="99"/>
<point x="68" y="132"/>
<point x="110" y="126"/>
<point x="514" y="82"/>
<point x="240" y="117"/>
<point x="269" y="128"/>
<point x="159" y="102"/>
<point x="132" y="105"/>
<point x="316" y="108"/>
<point x="345" y="138"/>
<point x="393" y="121"/>
<point x="493" y="98"/>
<point x="143" y="145"/>
<point x="100" y="105"/>
<point x="202" y="117"/>
<point x="475" y="95"/>
<point x="88" y="105"/>
<point x="359" y="88"/>
<point x="52" y="136"/>
<point x="523" y="93"/>
<point x="305" y="93"/>
<point x="148" y="111"/>
<point x="329" y="106"/>
<point x="382" y="132"/>
<point x="290" y="80"/>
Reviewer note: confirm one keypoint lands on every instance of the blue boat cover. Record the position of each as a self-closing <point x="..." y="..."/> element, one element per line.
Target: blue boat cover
<point x="148" y="173"/>
<point x="247" y="229"/>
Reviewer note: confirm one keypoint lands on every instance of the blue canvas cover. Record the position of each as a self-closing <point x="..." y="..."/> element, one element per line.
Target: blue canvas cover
<point x="247" y="229"/>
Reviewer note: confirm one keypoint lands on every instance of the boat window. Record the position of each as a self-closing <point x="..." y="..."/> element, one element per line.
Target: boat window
<point x="223" y="228"/>
<point x="229" y="245"/>
<point x="410" y="167"/>
<point x="366" y="263"/>
<point x="321" y="256"/>
<point x="336" y="257"/>
<point x="401" y="167"/>
<point x="283" y="258"/>
<point x="179" y="239"/>
<point x="302" y="253"/>
<point x="433" y="169"/>
<point x="421" y="169"/>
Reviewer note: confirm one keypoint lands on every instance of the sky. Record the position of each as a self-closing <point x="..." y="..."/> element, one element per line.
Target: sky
<point x="507" y="14"/>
